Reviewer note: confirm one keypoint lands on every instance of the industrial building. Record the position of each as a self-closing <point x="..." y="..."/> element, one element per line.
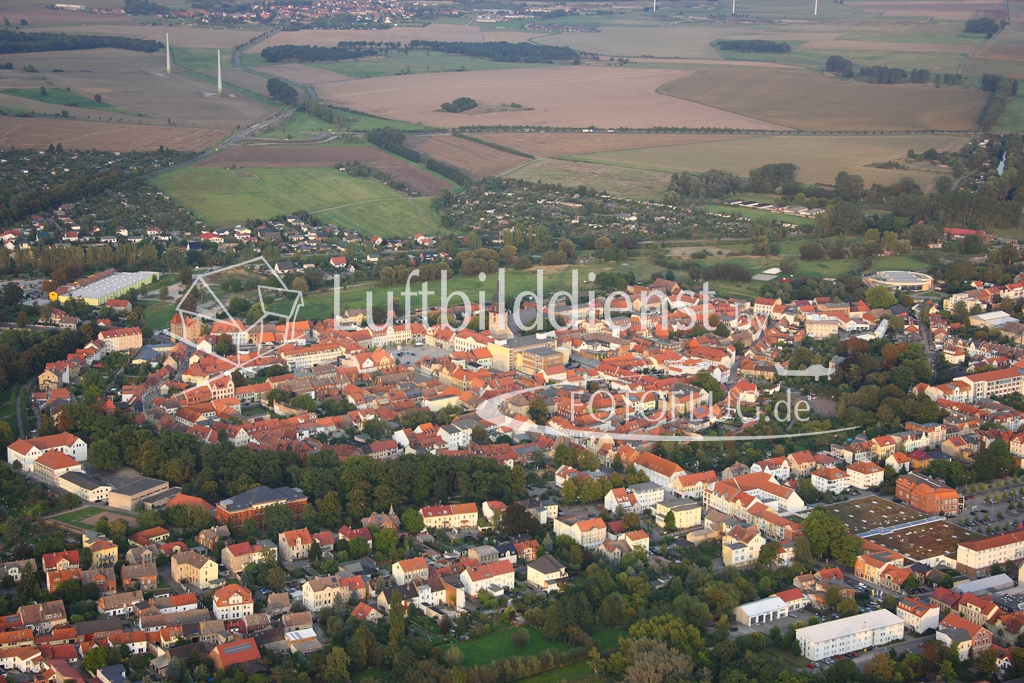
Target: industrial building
<point x="903" y="280"/>
<point x="761" y="611"/>
<point x="96" y="292"/>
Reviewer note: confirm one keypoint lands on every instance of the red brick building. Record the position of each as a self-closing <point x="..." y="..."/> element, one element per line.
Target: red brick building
<point x="928" y="495"/>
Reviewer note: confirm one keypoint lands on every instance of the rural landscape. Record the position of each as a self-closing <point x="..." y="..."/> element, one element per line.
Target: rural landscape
<point x="416" y="341"/>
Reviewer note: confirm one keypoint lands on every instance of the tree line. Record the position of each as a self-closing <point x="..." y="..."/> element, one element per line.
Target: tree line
<point x="145" y="8"/>
<point x="459" y="105"/>
<point x="15" y="42"/>
<point x="393" y="140"/>
<point x="317" y="53"/>
<point x="890" y="75"/>
<point x="985" y="25"/>
<point x="1002" y="89"/>
<point x="502" y="51"/>
<point x="769" y="46"/>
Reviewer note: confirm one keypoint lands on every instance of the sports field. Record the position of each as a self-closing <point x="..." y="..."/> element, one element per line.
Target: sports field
<point x="224" y="198"/>
<point x="785" y="96"/>
<point x="818" y="159"/>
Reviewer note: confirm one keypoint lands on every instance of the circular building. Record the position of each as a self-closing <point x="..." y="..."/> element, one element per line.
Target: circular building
<point x="905" y="280"/>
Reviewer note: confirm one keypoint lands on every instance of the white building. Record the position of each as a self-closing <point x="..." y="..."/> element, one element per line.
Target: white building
<point x="917" y="615"/>
<point x="647" y="494"/>
<point x="865" y="474"/>
<point x="232" y="602"/>
<point x="761" y="611"/>
<point x="26" y="451"/>
<point x="830" y="480"/>
<point x="493" y="578"/>
<point x="858" y="632"/>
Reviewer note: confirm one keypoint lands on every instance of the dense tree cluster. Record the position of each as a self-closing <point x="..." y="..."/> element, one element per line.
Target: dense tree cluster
<point x="708" y="185"/>
<point x="891" y="75"/>
<point x="318" y="53"/>
<point x="14" y="42"/>
<point x="839" y="65"/>
<point x="501" y="51"/>
<point x="282" y="92"/>
<point x="1002" y="89"/>
<point x="458" y="105"/>
<point x="145" y="8"/>
<point x="770" y="176"/>
<point x="769" y="46"/>
<point x="986" y="25"/>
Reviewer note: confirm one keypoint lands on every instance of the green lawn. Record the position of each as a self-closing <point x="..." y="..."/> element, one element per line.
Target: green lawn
<point x="363" y="122"/>
<point x="65" y="98"/>
<point x="499" y="646"/>
<point x="300" y="122"/>
<point x="567" y="673"/>
<point x="758" y="213"/>
<point x="224" y="198"/>
<point x="159" y="313"/>
<point x="608" y="638"/>
<point x="200" y="58"/>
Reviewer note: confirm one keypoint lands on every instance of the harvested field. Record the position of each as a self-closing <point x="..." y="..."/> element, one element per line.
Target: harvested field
<point x="818" y="159"/>
<point x="300" y="73"/>
<point x="952" y="11"/>
<point x="1010" y="53"/>
<point x="793" y="98"/>
<point x="331" y="37"/>
<point x="473" y="159"/>
<point x="927" y="541"/>
<point x="243" y="79"/>
<point x="181" y="36"/>
<point x="872" y="512"/>
<point x="39" y="133"/>
<point x="955" y="48"/>
<point x="323" y="156"/>
<point x="38" y="16"/>
<point x="619" y="182"/>
<point x="565" y="144"/>
<point x="555" y="96"/>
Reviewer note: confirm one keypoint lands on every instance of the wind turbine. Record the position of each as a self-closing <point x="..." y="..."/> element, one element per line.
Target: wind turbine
<point x="734" y="6"/>
<point x="815" y="7"/>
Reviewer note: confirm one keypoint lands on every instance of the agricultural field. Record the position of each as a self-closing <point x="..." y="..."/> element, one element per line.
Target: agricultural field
<point x="135" y="82"/>
<point x="570" y="96"/>
<point x="782" y="96"/>
<point x="472" y="158"/>
<point x="326" y="156"/>
<point x="64" y="98"/>
<point x="200" y="58"/>
<point x="403" y="34"/>
<point x="952" y="11"/>
<point x="818" y="158"/>
<point x="181" y="36"/>
<point x="40" y="133"/>
<point x="393" y="64"/>
<point x="569" y="144"/>
<point x="225" y="197"/>
<point x="619" y="182"/>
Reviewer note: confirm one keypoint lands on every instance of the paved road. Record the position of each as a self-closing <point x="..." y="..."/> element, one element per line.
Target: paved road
<point x="911" y="644"/>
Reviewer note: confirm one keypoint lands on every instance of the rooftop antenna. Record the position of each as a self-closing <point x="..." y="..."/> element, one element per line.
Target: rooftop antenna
<point x="220" y="83"/>
<point x="167" y="40"/>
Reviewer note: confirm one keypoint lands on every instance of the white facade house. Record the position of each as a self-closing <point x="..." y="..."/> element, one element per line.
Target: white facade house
<point x="830" y="480"/>
<point x="493" y="577"/>
<point x="232" y="602"/>
<point x="865" y="475"/>
<point x="647" y="494"/>
<point x="917" y="615"/>
<point x="761" y="611"/>
<point x="26" y="451"/>
<point x="858" y="632"/>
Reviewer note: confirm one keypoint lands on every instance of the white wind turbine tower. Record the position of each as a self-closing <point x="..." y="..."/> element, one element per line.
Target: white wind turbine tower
<point x="734" y="6"/>
<point x="220" y="83"/>
<point x="167" y="41"/>
<point x="815" y="7"/>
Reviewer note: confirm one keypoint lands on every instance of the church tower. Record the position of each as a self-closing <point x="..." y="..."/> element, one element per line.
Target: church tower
<point x="497" y="315"/>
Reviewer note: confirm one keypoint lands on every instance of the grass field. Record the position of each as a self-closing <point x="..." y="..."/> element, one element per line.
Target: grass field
<point x="299" y="122"/>
<point x="75" y="517"/>
<point x="758" y="213"/>
<point x="223" y="198"/>
<point x="159" y="314"/>
<point x="416" y="62"/>
<point x="620" y="182"/>
<point x="365" y="122"/>
<point x="818" y="159"/>
<point x="783" y="97"/>
<point x="499" y="646"/>
<point x="566" y="674"/>
<point x="200" y="58"/>
<point x="65" y="98"/>
<point x="1012" y="120"/>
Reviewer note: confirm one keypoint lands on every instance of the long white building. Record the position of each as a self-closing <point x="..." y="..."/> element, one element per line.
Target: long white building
<point x="860" y="631"/>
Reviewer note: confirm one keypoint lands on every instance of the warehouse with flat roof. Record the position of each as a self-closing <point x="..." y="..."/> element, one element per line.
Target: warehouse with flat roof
<point x="854" y="633"/>
<point x="113" y="286"/>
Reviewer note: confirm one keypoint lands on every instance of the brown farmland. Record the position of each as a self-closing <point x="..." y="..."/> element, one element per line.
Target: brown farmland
<point x="960" y="10"/>
<point x="39" y="133"/>
<point x="473" y="159"/>
<point x="795" y="99"/>
<point x="300" y="73"/>
<point x="569" y="144"/>
<point x="320" y="156"/>
<point x="226" y="39"/>
<point x="565" y="96"/>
